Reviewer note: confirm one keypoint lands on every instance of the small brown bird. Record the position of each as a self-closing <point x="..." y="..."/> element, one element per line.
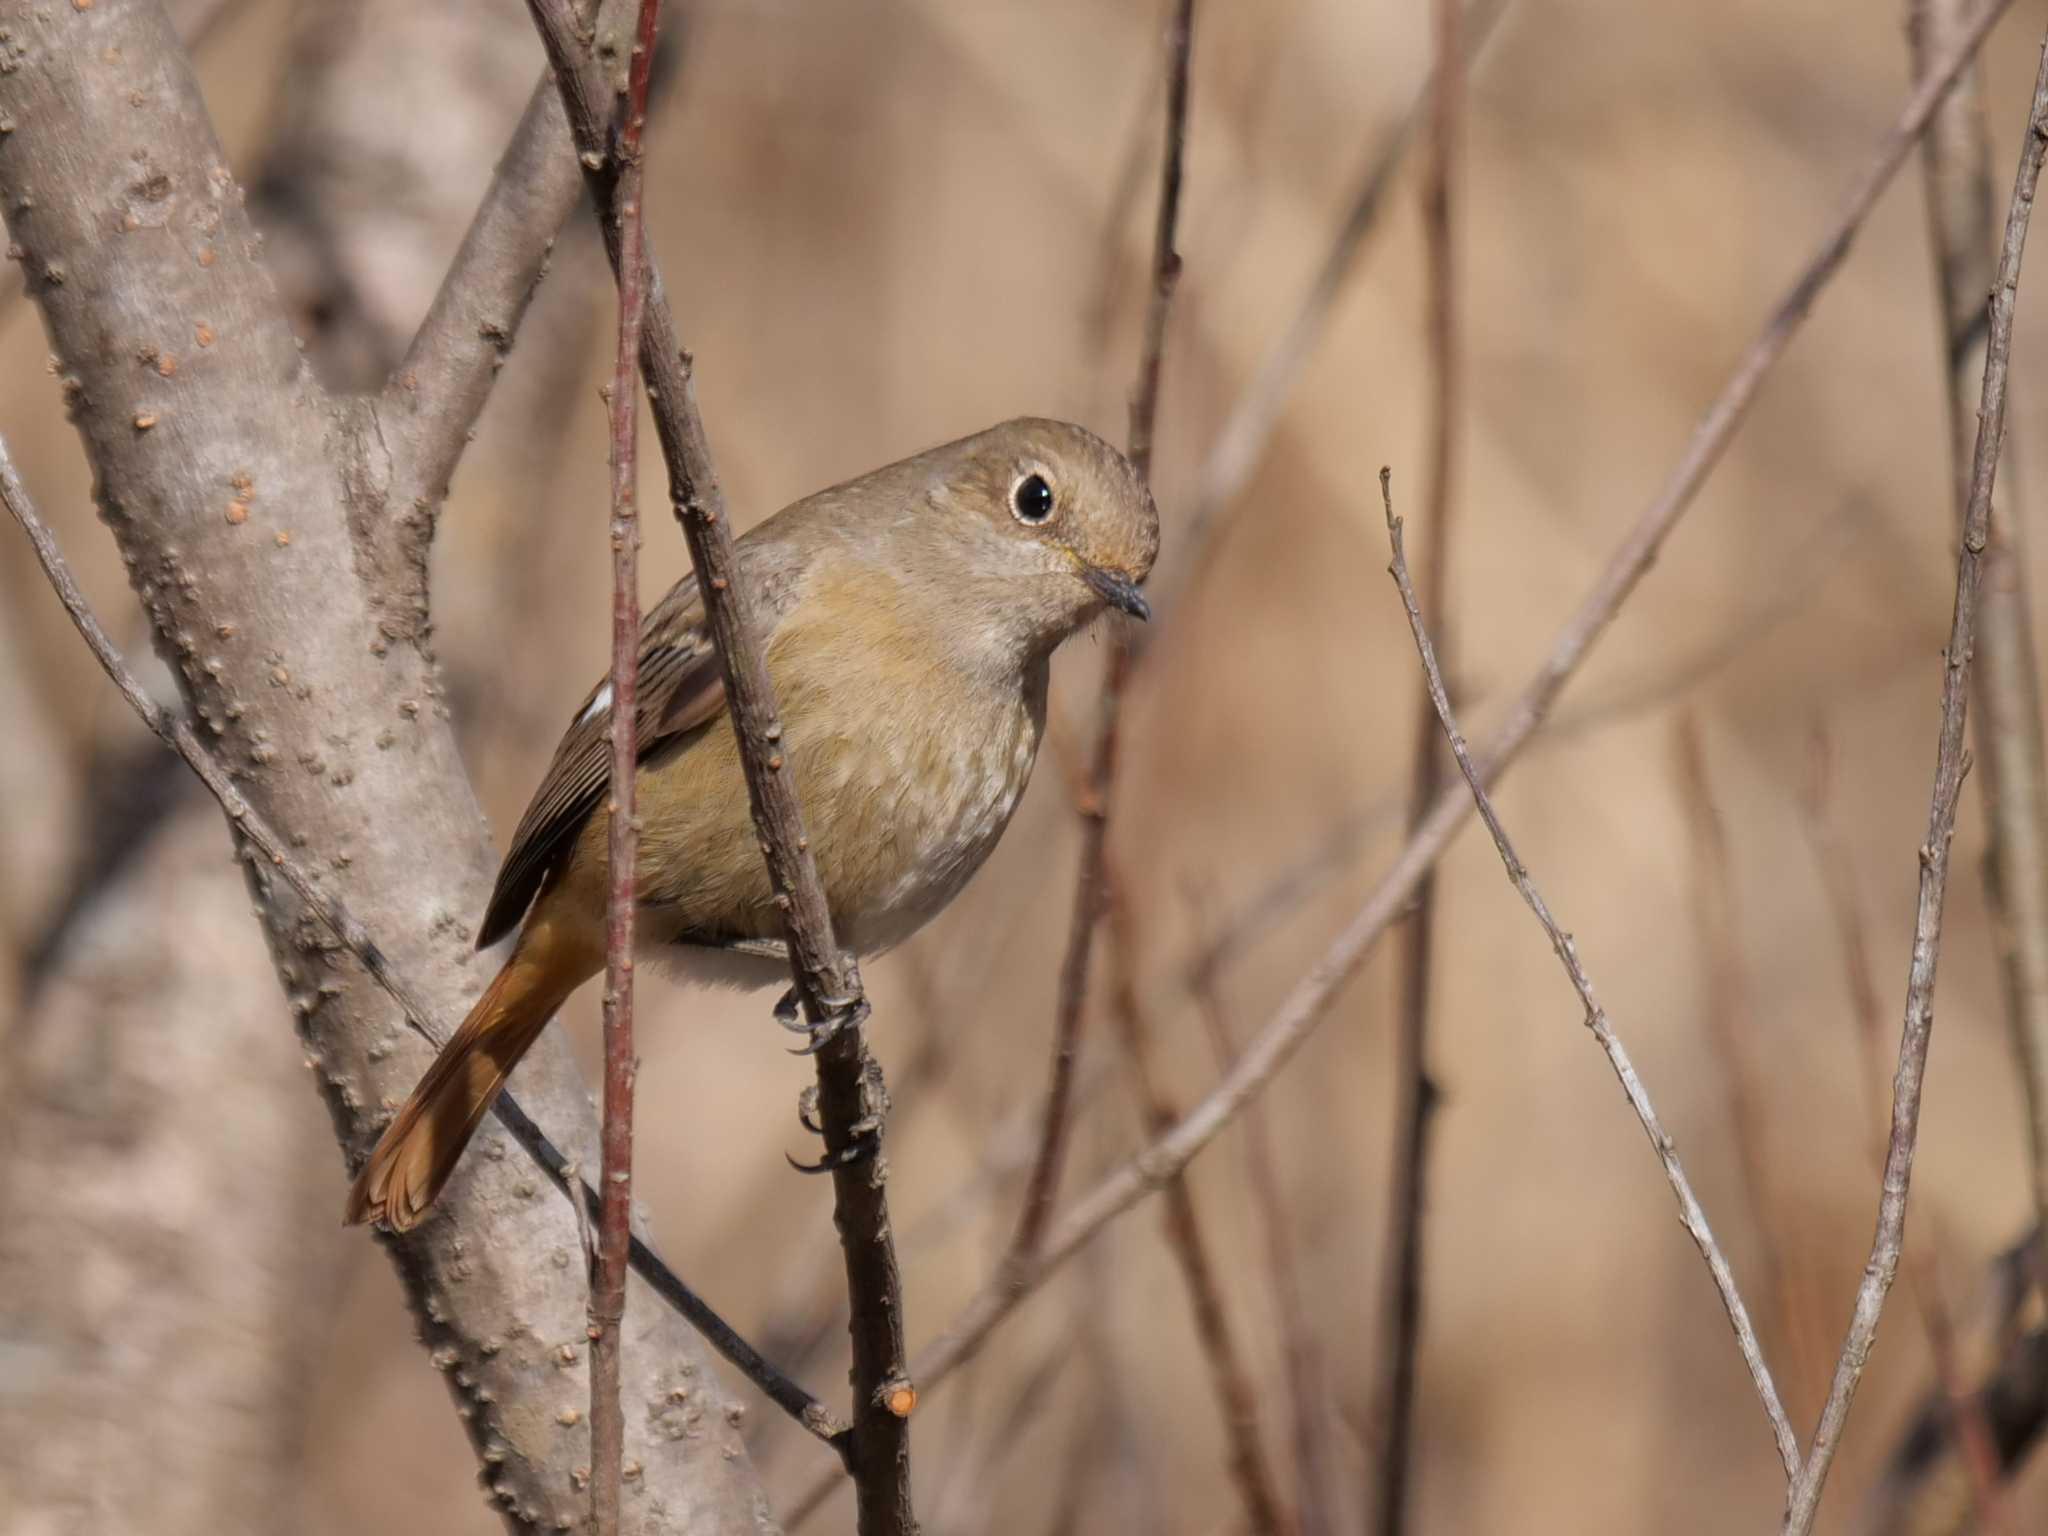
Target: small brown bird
<point x="909" y="619"/>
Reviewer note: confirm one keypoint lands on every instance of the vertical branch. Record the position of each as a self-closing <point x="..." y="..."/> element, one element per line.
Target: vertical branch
<point x="1400" y="1340"/>
<point x="1712" y="884"/>
<point x="852" y="1099"/>
<point x="615" y="1208"/>
<point x="1951" y="763"/>
<point x="1298" y="1346"/>
<point x="1956" y="160"/>
<point x="1957" y="1407"/>
<point x="1090" y="891"/>
<point x="1235" y="1394"/>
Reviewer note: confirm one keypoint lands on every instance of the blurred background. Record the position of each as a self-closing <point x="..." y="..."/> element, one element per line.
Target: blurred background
<point x="887" y="225"/>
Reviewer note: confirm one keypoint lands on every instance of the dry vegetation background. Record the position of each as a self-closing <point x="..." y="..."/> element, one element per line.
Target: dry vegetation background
<point x="886" y="225"/>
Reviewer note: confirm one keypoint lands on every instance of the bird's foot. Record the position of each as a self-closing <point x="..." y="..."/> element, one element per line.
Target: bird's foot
<point x="840" y="1013"/>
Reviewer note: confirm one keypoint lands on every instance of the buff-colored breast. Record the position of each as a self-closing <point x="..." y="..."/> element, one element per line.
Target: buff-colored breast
<point x="909" y="760"/>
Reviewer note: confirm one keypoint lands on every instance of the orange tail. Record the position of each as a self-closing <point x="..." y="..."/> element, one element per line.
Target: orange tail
<point x="421" y="1146"/>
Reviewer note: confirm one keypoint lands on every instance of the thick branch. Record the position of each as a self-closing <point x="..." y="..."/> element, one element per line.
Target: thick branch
<point x="1950" y="764"/>
<point x="439" y="389"/>
<point x="213" y="454"/>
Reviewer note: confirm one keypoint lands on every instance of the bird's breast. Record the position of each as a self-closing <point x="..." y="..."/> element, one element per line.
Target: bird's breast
<point x="920" y="800"/>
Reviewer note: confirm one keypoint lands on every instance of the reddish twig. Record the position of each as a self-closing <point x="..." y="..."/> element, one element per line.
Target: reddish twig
<point x="1951" y="763"/>
<point x="1309" y="1001"/>
<point x="852" y="1101"/>
<point x="1694" y="1219"/>
<point x="615" y="1185"/>
<point x="1400" y="1335"/>
<point x="1090" y="889"/>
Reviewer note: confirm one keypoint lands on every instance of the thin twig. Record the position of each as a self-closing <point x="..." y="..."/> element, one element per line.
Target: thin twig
<point x="1959" y="1409"/>
<point x="1400" y="1320"/>
<point x="1090" y="891"/>
<point x="1951" y="763"/>
<point x="1300" y="1357"/>
<point x="1956" y="159"/>
<point x="852" y="1101"/>
<point x="615" y="1206"/>
<point x="1309" y="1001"/>
<point x="176" y="732"/>
<point x="1230" y="1376"/>
<point x="1689" y="1212"/>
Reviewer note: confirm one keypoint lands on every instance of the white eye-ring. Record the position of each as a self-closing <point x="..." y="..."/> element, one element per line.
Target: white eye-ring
<point x="1031" y="498"/>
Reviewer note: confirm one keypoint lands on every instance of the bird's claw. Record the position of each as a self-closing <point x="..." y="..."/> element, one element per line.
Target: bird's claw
<point x="840" y="1013"/>
<point x="863" y="1147"/>
<point x="807" y="1111"/>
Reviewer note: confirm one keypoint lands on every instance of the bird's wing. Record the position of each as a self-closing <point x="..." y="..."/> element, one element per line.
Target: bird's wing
<point x="682" y="687"/>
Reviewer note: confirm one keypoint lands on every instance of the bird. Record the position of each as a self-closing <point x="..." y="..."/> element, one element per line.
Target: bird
<point x="908" y="618"/>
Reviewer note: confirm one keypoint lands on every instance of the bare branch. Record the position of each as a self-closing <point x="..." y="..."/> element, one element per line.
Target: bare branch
<point x="333" y="914"/>
<point x="1690" y="1214"/>
<point x="852" y="1101"/>
<point x="1298" y="1345"/>
<point x="615" y="1205"/>
<point x="1729" y="1027"/>
<point x="1232" y="1378"/>
<point x="1091" y="888"/>
<point x="438" y="391"/>
<point x="1305" y="1006"/>
<point x="237" y="491"/>
<point x="1951" y="763"/>
<point x="1242" y="439"/>
<point x="1400" y="1332"/>
<point x="1955" y="1408"/>
<point x="1956" y="160"/>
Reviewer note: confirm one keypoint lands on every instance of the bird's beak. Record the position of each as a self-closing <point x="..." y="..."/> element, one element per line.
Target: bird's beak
<point x="1117" y="590"/>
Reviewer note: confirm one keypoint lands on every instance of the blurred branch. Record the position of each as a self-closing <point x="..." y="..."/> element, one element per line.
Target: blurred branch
<point x="1091" y="888"/>
<point x="1951" y="763"/>
<point x="615" y="1202"/>
<point x="1415" y="1092"/>
<point x="1229" y="1375"/>
<point x="852" y="1101"/>
<point x="1310" y="999"/>
<point x="1694" y="1219"/>
<point x="1242" y="439"/>
<point x="1298" y="1346"/>
<point x="1711" y="882"/>
<point x="1956" y="160"/>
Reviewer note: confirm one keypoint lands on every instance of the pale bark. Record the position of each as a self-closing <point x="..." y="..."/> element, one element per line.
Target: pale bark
<point x="284" y="580"/>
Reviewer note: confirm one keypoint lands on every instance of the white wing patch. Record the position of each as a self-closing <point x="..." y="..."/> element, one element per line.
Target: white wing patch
<point x="598" y="705"/>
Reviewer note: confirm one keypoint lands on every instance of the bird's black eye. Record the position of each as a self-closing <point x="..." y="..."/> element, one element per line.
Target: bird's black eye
<point x="1031" y="499"/>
